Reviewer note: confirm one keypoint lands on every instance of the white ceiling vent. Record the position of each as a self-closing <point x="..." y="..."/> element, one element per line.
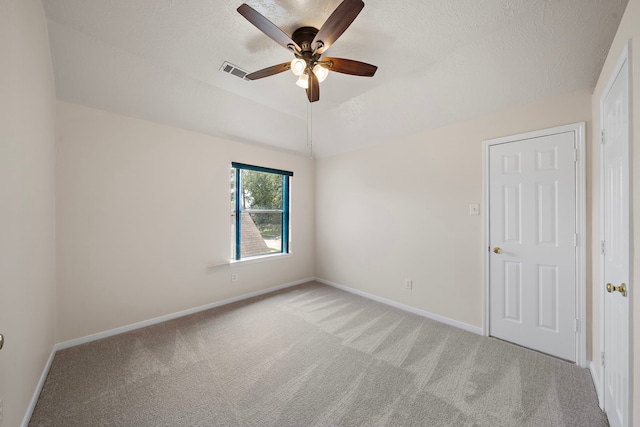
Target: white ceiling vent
<point x="228" y="67"/>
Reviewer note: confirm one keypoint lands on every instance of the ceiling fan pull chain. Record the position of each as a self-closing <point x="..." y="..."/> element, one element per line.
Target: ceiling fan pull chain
<point x="310" y="128"/>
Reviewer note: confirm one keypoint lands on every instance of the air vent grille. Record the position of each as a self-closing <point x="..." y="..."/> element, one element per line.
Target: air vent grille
<point x="228" y="67"/>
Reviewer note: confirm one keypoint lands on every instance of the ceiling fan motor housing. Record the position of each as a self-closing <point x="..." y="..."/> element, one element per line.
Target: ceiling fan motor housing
<point x="303" y="37"/>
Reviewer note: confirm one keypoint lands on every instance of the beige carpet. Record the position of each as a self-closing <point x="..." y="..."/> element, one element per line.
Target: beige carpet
<point x="311" y="355"/>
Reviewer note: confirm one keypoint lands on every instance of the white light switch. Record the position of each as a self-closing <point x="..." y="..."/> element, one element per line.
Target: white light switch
<point x="474" y="209"/>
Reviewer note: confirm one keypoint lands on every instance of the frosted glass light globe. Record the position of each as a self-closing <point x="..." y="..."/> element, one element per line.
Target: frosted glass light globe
<point x="298" y="66"/>
<point x="303" y="81"/>
<point x="320" y="72"/>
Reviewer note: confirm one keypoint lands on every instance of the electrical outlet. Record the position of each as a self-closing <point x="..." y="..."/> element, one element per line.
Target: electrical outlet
<point x="234" y="277"/>
<point x="408" y="284"/>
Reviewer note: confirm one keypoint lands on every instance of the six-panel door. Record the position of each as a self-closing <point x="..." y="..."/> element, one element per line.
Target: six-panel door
<point x="532" y="232"/>
<point x="615" y="262"/>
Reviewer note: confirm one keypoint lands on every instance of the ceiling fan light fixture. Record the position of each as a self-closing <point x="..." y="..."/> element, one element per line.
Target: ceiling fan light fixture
<point x="303" y="81"/>
<point x="298" y="66"/>
<point x="308" y="44"/>
<point x="320" y="72"/>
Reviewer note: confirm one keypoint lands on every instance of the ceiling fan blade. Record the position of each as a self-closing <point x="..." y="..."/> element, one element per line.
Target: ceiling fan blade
<point x="269" y="71"/>
<point x="337" y="23"/>
<point x="349" y="66"/>
<point x="267" y="27"/>
<point x="313" y="90"/>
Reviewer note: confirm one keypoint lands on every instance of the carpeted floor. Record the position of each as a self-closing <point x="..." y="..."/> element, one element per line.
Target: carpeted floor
<point x="311" y="355"/>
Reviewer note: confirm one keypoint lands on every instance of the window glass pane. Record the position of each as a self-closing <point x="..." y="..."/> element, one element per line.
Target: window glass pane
<point x="261" y="190"/>
<point x="233" y="235"/>
<point x="232" y="183"/>
<point x="261" y="233"/>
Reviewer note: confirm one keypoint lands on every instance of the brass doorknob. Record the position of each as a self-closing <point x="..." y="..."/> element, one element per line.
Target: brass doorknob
<point x="497" y="250"/>
<point x="622" y="289"/>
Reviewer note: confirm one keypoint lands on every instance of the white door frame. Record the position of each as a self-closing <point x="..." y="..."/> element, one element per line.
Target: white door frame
<point x="625" y="56"/>
<point x="581" y="303"/>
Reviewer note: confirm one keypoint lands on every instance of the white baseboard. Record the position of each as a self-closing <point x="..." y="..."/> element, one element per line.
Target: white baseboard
<point x="36" y="393"/>
<point x="596" y="383"/>
<point x="419" y="312"/>
<point x="145" y="323"/>
<point x="138" y="325"/>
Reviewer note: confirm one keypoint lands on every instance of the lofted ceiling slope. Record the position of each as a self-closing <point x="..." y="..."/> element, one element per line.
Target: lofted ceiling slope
<point x="439" y="62"/>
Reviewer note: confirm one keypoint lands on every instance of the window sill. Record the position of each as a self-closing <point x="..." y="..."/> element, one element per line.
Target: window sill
<point x="251" y="260"/>
<point x="260" y="258"/>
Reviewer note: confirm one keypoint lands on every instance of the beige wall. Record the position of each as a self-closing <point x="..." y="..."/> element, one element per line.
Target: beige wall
<point x="142" y="210"/>
<point x="400" y="210"/>
<point x="629" y="29"/>
<point x="27" y="257"/>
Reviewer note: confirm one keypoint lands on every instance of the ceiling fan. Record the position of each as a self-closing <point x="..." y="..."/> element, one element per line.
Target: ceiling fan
<point x="308" y="44"/>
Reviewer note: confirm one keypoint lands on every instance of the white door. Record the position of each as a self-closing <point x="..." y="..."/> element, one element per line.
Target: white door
<point x="532" y="238"/>
<point x="615" y="286"/>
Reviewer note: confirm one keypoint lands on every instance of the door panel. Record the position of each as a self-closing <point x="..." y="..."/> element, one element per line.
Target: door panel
<point x="532" y="219"/>
<point x="512" y="218"/>
<point x="512" y="291"/>
<point x="548" y="297"/>
<point x="616" y="256"/>
<point x="547" y="214"/>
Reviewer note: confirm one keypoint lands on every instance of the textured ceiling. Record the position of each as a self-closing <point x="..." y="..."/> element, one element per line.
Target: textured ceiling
<point x="440" y="61"/>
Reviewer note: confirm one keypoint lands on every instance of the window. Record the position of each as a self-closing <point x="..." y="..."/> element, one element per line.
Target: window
<point x="259" y="211"/>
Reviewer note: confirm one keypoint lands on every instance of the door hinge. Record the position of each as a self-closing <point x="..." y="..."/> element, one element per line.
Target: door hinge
<point x="576" y="325"/>
<point x="575" y="155"/>
<point x="602" y="359"/>
<point x="602" y="247"/>
<point x="602" y="137"/>
<point x="576" y="240"/>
